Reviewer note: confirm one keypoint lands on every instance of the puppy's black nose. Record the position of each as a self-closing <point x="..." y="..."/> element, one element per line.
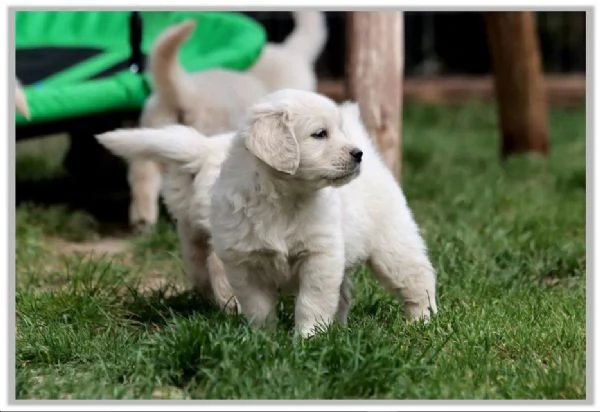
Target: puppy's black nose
<point x="356" y="154"/>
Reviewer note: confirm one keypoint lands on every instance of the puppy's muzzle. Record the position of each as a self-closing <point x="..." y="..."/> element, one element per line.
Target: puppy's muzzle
<point x="356" y="154"/>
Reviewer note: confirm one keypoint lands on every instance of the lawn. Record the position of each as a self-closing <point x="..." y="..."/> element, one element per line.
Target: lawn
<point x="111" y="317"/>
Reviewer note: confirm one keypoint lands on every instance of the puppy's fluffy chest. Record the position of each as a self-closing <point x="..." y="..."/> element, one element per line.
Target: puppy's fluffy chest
<point x="273" y="237"/>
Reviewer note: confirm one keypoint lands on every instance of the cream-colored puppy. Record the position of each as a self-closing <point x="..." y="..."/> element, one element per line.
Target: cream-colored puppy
<point x="291" y="209"/>
<point x="214" y="101"/>
<point x="301" y="199"/>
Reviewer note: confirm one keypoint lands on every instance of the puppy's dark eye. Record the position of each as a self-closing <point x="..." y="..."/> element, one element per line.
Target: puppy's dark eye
<point x="320" y="134"/>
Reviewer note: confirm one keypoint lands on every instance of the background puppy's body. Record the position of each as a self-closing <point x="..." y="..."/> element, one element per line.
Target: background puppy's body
<point x="211" y="101"/>
<point x="291" y="63"/>
<point x="214" y="101"/>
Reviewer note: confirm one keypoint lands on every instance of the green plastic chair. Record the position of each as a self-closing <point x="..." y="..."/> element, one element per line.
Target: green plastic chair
<point x="79" y="64"/>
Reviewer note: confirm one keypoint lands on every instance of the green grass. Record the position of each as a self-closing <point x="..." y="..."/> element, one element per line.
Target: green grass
<point x="41" y="158"/>
<point x="507" y="240"/>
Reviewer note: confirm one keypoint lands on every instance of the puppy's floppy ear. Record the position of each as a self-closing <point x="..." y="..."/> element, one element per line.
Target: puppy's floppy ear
<point x="269" y="136"/>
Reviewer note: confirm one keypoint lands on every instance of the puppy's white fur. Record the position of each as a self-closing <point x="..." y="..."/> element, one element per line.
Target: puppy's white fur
<point x="290" y="211"/>
<point x="214" y="101"/>
<point x="193" y="162"/>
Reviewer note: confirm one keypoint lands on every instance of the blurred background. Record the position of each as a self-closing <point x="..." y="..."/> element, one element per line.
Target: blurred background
<point x="446" y="62"/>
<point x="450" y="51"/>
<point x="104" y="312"/>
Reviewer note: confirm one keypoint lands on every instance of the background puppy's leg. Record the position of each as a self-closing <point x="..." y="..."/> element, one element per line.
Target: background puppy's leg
<point x="320" y="280"/>
<point x="257" y="301"/>
<point x="221" y="289"/>
<point x="345" y="299"/>
<point x="144" y="177"/>
<point x="400" y="262"/>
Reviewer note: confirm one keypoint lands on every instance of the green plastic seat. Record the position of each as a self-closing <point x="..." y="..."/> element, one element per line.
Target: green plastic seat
<point x="75" y="64"/>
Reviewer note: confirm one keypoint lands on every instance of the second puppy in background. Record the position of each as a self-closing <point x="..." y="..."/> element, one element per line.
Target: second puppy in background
<point x="214" y="101"/>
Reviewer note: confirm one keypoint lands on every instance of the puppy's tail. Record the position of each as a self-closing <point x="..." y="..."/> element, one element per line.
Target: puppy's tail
<point x="171" y="81"/>
<point x="174" y="144"/>
<point x="309" y="35"/>
<point x="21" y="101"/>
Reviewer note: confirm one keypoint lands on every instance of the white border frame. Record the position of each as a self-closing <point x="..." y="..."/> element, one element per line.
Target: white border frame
<point x="7" y="209"/>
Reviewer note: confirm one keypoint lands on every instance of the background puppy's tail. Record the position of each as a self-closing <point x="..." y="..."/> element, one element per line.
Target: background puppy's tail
<point x="173" y="144"/>
<point x="169" y="77"/>
<point x="21" y="101"/>
<point x="309" y="35"/>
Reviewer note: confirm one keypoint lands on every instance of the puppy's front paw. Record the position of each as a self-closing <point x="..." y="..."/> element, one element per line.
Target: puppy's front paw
<point x="305" y="334"/>
<point x="308" y="331"/>
<point x="232" y="307"/>
<point x="422" y="311"/>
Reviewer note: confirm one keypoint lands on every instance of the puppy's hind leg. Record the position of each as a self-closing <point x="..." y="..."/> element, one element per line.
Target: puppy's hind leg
<point x="144" y="178"/>
<point x="399" y="260"/>
<point x="204" y="269"/>
<point x="221" y="289"/>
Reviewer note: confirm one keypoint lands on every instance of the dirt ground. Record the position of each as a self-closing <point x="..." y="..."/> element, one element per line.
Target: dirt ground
<point x="561" y="90"/>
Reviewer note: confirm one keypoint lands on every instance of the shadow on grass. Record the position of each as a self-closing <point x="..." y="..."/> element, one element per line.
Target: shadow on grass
<point x="159" y="306"/>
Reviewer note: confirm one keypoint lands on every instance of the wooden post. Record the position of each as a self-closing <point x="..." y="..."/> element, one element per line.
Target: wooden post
<point x="518" y="82"/>
<point x="374" y="72"/>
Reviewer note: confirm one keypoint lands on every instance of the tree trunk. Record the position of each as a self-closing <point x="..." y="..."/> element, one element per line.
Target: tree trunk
<point x="518" y="80"/>
<point x="375" y="68"/>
